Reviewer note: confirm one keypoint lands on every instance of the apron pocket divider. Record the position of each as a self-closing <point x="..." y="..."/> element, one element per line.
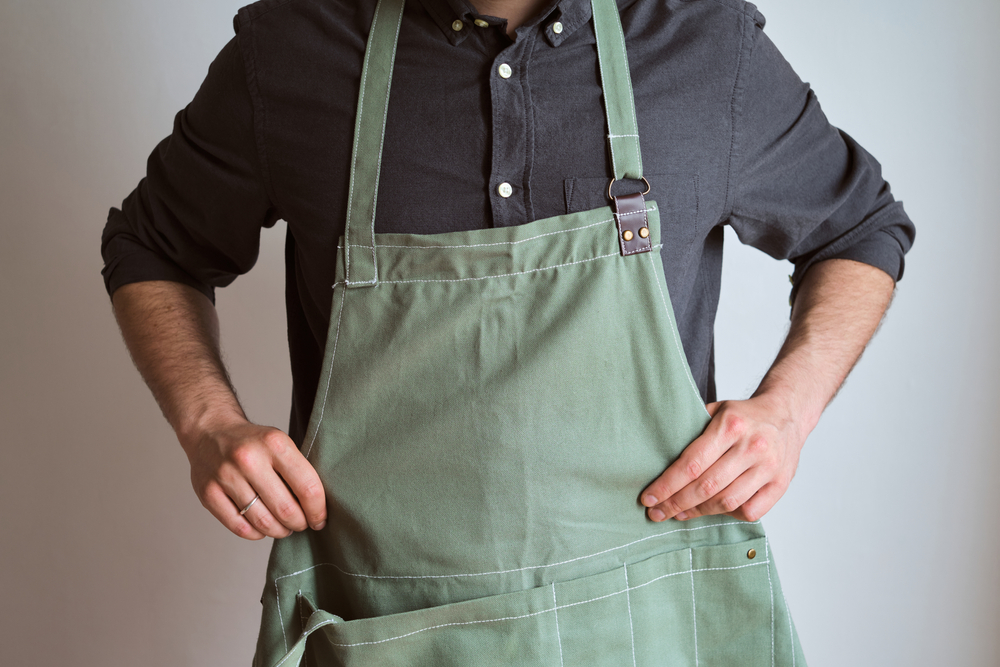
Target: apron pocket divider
<point x="711" y="602"/>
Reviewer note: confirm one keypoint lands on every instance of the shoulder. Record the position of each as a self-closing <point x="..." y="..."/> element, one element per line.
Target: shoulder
<point x="293" y="15"/>
<point x="700" y="14"/>
<point x="714" y="7"/>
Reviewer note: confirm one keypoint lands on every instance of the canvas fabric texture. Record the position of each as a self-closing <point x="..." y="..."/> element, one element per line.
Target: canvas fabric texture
<point x="491" y="404"/>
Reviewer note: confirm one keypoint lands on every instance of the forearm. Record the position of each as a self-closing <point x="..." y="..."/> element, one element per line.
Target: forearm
<point x="172" y="333"/>
<point x="839" y="306"/>
<point x="746" y="458"/>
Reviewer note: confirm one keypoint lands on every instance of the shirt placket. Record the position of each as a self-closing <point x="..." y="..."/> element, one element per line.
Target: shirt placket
<point x="511" y="131"/>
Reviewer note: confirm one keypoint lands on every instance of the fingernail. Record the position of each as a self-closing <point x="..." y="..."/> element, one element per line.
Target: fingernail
<point x="656" y="515"/>
<point x="320" y="525"/>
<point x="681" y="516"/>
<point x="649" y="500"/>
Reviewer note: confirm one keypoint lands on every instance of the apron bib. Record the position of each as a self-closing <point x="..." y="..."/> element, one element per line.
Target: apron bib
<point x="490" y="406"/>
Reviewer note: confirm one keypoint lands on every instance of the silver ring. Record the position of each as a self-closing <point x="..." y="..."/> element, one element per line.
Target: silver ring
<point x="247" y="508"/>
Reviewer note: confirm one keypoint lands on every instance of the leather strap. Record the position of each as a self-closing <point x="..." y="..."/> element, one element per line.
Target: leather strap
<point x="633" y="229"/>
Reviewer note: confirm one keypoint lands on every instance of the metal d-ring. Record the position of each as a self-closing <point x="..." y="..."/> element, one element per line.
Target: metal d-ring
<point x="615" y="179"/>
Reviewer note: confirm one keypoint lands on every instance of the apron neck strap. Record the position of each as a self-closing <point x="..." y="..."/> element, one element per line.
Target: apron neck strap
<point x="361" y="267"/>
<point x="616" y="83"/>
<point x="369" y="134"/>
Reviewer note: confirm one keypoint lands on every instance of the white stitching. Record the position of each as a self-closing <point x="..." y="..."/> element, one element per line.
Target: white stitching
<point x="555" y="607"/>
<point x="791" y="633"/>
<point x="305" y="623"/>
<point x="518" y="569"/>
<point x="381" y="145"/>
<point x="501" y="275"/>
<point x="700" y="569"/>
<point x="326" y="390"/>
<point x="649" y="207"/>
<point x="631" y="93"/>
<point x="354" y="155"/>
<point x="329" y="374"/>
<point x="534" y="613"/>
<point x="767" y="558"/>
<point x="628" y="600"/>
<point x="619" y="136"/>
<point x="694" y="608"/>
<point x="622" y="215"/>
<point x="485" y="245"/>
<point x="607" y="108"/>
<point x="677" y="343"/>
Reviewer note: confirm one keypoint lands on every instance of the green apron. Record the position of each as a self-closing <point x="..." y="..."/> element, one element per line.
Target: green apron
<point x="491" y="404"/>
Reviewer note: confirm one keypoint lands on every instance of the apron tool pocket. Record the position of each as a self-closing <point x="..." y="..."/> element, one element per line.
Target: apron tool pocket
<point x="709" y="605"/>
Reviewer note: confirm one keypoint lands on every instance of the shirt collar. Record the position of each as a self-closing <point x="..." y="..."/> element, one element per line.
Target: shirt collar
<point x="571" y="14"/>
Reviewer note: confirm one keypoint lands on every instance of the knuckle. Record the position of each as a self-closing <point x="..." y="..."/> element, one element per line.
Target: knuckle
<point x="751" y="513"/>
<point x="243" y="457"/>
<point x="244" y="530"/>
<point x="730" y="504"/>
<point x="276" y="442"/>
<point x="290" y="516"/>
<point x="759" y="446"/>
<point x="709" y="486"/>
<point x="264" y="523"/>
<point x="671" y="507"/>
<point x="693" y="469"/>
<point x="313" y="489"/>
<point x="734" y="426"/>
<point x="285" y="510"/>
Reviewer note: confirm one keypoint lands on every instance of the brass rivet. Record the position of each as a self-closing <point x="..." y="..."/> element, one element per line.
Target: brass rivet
<point x="644" y="232"/>
<point x="481" y="23"/>
<point x="627" y="235"/>
<point x="752" y="554"/>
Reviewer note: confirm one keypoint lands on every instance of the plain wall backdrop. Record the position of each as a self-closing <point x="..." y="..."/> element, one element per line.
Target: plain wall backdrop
<point x="886" y="542"/>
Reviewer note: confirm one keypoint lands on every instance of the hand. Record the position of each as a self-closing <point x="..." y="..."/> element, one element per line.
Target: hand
<point x="233" y="461"/>
<point x="740" y="466"/>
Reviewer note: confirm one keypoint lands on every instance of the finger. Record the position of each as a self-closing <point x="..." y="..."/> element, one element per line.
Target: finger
<point x="219" y="504"/>
<point x="305" y="483"/>
<point x="279" y="499"/>
<point x="242" y="493"/>
<point x="731" y="498"/>
<point x="761" y="502"/>
<point x="724" y="472"/>
<point x="720" y="434"/>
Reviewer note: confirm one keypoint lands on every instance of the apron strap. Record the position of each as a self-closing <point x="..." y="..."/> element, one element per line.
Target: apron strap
<point x="361" y="268"/>
<point x="317" y="620"/>
<point x="616" y="81"/>
<point x="369" y="134"/>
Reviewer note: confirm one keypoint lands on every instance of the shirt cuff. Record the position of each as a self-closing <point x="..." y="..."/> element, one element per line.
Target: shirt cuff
<point x="881" y="241"/>
<point x="127" y="261"/>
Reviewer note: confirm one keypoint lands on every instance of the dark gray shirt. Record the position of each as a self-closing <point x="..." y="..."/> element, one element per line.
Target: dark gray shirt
<point x="730" y="136"/>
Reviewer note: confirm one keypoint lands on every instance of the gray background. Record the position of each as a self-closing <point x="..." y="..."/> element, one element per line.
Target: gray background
<point x="886" y="541"/>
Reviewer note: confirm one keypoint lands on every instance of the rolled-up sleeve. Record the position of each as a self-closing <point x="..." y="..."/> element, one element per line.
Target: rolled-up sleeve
<point x="802" y="189"/>
<point x="197" y="215"/>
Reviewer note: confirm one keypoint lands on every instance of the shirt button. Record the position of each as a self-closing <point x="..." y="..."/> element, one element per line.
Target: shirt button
<point x="457" y="25"/>
<point x="504" y="70"/>
<point x="557" y="27"/>
<point x="481" y="23"/>
<point x="504" y="190"/>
